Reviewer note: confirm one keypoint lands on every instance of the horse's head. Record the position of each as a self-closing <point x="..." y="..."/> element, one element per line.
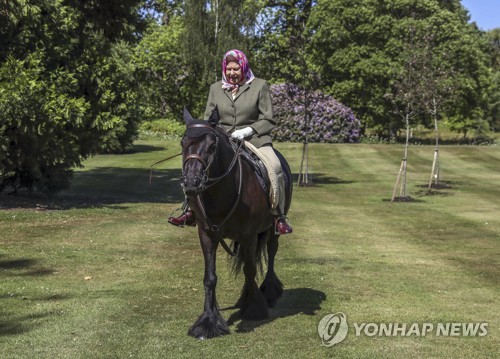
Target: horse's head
<point x="199" y="151"/>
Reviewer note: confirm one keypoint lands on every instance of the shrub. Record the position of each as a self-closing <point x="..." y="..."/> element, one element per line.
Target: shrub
<point x="162" y="128"/>
<point x="68" y="88"/>
<point x="329" y="121"/>
<point x="41" y="127"/>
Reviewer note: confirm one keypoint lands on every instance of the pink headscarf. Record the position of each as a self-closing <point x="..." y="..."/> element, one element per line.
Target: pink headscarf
<point x="248" y="75"/>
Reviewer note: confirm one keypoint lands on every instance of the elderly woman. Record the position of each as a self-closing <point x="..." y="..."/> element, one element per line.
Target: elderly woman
<point x="246" y="112"/>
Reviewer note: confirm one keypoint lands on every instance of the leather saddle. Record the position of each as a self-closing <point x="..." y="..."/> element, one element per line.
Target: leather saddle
<point x="258" y="166"/>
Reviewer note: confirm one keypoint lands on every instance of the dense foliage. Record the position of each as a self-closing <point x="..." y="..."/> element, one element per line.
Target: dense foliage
<point x="357" y="49"/>
<point x="327" y="120"/>
<point x="67" y="87"/>
<point x="163" y="71"/>
<point x="494" y="91"/>
<point x="77" y="77"/>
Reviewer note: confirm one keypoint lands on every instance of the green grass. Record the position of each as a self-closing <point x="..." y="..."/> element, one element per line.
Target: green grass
<point x="97" y="273"/>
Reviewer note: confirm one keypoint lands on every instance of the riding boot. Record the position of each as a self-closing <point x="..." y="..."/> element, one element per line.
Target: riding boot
<point x="185" y="219"/>
<point x="281" y="225"/>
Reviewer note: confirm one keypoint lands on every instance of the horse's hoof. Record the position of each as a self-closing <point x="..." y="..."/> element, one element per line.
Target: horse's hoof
<point x="209" y="325"/>
<point x="272" y="289"/>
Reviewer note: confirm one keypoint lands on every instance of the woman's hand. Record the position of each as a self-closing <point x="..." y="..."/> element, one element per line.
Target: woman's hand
<point x="243" y="133"/>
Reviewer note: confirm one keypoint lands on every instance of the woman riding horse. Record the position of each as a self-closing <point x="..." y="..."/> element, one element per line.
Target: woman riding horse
<point x="245" y="110"/>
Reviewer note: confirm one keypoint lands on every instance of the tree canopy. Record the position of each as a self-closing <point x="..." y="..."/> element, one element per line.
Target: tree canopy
<point x="358" y="49"/>
<point x="77" y="77"/>
<point x="67" y="87"/>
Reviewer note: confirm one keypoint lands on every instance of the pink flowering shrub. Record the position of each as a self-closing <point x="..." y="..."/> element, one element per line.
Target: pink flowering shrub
<point x="329" y="120"/>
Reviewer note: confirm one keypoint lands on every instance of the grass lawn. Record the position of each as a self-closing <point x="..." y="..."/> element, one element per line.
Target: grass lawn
<point x="96" y="272"/>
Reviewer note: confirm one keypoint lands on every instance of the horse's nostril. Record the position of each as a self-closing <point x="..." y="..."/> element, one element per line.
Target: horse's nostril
<point x="197" y="181"/>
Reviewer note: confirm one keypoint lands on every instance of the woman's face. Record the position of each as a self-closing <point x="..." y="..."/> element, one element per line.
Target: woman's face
<point x="233" y="73"/>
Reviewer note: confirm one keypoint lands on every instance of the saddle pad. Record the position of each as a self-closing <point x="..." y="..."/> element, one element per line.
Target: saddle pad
<point x="259" y="168"/>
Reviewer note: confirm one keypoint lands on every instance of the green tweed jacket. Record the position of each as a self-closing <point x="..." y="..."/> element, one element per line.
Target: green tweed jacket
<point x="251" y="107"/>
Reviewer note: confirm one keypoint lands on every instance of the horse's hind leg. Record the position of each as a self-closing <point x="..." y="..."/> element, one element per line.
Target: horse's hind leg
<point x="271" y="287"/>
<point x="252" y="303"/>
<point x="210" y="323"/>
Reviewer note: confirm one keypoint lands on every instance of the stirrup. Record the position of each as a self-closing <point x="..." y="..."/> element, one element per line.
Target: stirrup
<point x="179" y="209"/>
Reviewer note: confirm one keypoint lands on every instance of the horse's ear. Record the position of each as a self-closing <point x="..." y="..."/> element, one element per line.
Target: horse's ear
<point x="187" y="117"/>
<point x="214" y="118"/>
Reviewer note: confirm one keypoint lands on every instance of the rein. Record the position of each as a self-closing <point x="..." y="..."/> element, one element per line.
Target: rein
<point x="158" y="162"/>
<point x="215" y="228"/>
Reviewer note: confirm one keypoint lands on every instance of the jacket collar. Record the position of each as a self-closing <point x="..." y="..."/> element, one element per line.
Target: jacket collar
<point x="240" y="91"/>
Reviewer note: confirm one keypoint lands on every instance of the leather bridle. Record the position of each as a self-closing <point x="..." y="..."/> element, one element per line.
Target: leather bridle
<point x="206" y="181"/>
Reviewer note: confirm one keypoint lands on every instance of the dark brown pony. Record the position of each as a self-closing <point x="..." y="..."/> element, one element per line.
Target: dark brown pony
<point x="228" y="201"/>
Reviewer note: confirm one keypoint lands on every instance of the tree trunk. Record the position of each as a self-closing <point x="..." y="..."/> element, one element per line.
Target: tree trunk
<point x="435" y="162"/>
<point x="304" y="175"/>
<point x="216" y="33"/>
<point x="405" y="159"/>
<point x="397" y="182"/>
<point x="303" y="179"/>
<point x="401" y="179"/>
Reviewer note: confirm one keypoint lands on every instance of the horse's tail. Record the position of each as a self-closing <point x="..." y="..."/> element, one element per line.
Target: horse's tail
<point x="260" y="255"/>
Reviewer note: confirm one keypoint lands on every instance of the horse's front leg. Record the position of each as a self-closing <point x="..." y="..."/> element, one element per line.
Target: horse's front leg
<point x="210" y="323"/>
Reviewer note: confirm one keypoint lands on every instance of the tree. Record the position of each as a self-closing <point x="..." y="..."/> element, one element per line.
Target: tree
<point x="494" y="40"/>
<point x="66" y="87"/>
<point x="494" y="91"/>
<point x="283" y="40"/>
<point x="163" y="71"/>
<point x="494" y="101"/>
<point x="406" y="97"/>
<point x="356" y="46"/>
<point x="179" y="55"/>
<point x="467" y="54"/>
<point x="438" y="90"/>
<point x="211" y="29"/>
<point x="41" y="125"/>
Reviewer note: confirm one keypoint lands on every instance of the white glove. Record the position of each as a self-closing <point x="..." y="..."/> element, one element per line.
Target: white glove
<point x="241" y="134"/>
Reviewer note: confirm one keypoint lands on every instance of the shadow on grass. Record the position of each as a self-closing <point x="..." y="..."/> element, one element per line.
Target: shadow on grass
<point x="105" y="187"/>
<point x="17" y="263"/>
<point x="434" y="191"/>
<point x="20" y="325"/>
<point x="113" y="186"/>
<point x="317" y="179"/>
<point x="441" y="185"/>
<point x="293" y="302"/>
<point x="143" y="148"/>
<point x="407" y="199"/>
<point x="23" y="267"/>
